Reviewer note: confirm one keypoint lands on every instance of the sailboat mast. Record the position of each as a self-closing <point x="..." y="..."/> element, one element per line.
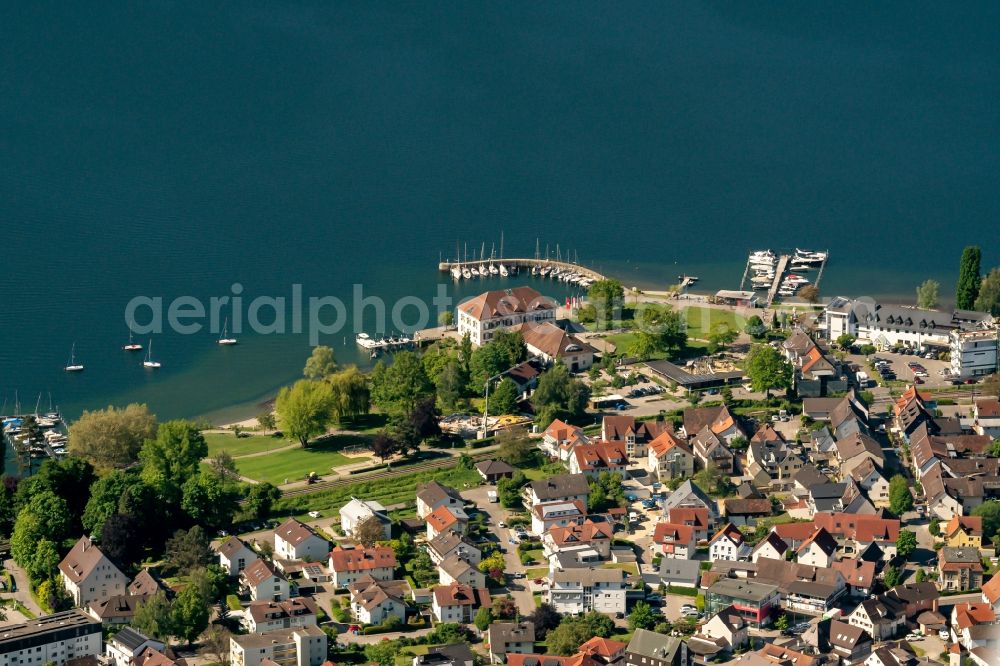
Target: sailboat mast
<point x="537" y="255"/>
<point x="501" y="243"/>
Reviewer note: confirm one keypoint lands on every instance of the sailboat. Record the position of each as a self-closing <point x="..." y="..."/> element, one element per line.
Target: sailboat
<point x="131" y="346"/>
<point x="73" y="366"/>
<point x="503" y="271"/>
<point x="149" y="362"/>
<point x="225" y="340"/>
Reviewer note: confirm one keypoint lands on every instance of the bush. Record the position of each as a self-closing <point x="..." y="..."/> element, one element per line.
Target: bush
<point x="233" y="602"/>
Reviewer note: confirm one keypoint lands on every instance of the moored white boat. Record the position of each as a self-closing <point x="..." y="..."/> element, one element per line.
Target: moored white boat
<point x="149" y="362"/>
<point x="225" y="339"/>
<point x="73" y="366"/>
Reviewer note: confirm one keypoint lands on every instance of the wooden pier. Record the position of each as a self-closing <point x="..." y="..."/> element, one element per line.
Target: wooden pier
<point x="523" y="264"/>
<point x="779" y="274"/>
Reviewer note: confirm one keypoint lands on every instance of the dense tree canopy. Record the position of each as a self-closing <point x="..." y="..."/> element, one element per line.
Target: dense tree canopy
<point x="558" y="394"/>
<point x="767" y="369"/>
<point x="321" y="363"/>
<point x="928" y="294"/>
<point x="504" y="398"/>
<point x="900" y="497"/>
<point x="349" y="393"/>
<point x="608" y="297"/>
<point x="398" y="387"/>
<point x="112" y="437"/>
<point x="305" y="409"/>
<point x="988" y="299"/>
<point x="969" y="277"/>
<point x="172" y="458"/>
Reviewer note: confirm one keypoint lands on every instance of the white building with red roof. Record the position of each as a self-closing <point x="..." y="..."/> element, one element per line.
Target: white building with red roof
<point x="481" y="317"/>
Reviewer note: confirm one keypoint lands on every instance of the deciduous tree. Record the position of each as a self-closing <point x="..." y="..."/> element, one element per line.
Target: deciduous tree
<point x="900" y="497"/>
<point x="503" y="399"/>
<point x="384" y="445"/>
<point x="906" y="543"/>
<point x="154" y="617"/>
<point x="399" y="386"/>
<point x="260" y="498"/>
<point x="189" y="614"/>
<point x="188" y="550"/>
<point x="112" y="437"/>
<point x="641" y="617"/>
<point x="928" y="294"/>
<point x="545" y="617"/>
<point x="305" y="409"/>
<point x="350" y="395"/>
<point x="607" y="296"/>
<point x="988" y="299"/>
<point x="767" y="369"/>
<point x="172" y="458"/>
<point x="320" y="364"/>
<point x="122" y="539"/>
<point x="369" y="531"/>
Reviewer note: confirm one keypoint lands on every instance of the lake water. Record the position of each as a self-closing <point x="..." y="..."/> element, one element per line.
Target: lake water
<point x="171" y="149"/>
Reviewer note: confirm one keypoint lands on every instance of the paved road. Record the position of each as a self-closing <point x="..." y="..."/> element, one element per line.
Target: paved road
<point x="23" y="593"/>
<point x="518" y="588"/>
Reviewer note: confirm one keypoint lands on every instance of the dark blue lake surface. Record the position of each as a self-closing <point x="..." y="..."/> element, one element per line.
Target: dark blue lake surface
<point x="170" y="149"/>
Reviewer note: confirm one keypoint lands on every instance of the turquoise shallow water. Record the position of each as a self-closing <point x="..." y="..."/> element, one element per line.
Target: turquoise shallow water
<point x="176" y="149"/>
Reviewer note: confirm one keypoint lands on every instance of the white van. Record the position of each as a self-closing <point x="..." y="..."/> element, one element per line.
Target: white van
<point x="491" y="495"/>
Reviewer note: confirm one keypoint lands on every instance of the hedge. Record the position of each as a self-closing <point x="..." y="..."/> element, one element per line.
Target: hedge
<point x="686" y="591"/>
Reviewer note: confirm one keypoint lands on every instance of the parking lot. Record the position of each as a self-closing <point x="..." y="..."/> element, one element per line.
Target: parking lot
<point x="899" y="364"/>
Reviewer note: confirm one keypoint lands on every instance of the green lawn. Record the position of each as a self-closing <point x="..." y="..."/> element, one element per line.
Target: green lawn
<point x="294" y="464"/>
<point x="394" y="491"/>
<point x="702" y="322"/>
<point x="627" y="567"/>
<point x="218" y="442"/>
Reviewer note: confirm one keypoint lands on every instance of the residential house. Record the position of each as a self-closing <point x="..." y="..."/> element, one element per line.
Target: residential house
<point x="89" y="576"/>
<point x="858" y="574"/>
<point x="592" y="459"/>
<point x="60" y="638"/>
<point x="234" y="555"/>
<point x="547" y="515"/>
<point x="264" y="582"/>
<point x="446" y="519"/>
<point x="675" y="541"/>
<point x="697" y="518"/>
<point x="449" y="542"/>
<point x="504" y="638"/>
<point x="680" y="573"/>
<point x="560" y="438"/>
<point x="553" y="344"/>
<point x="558" y="488"/>
<point x="991" y="592"/>
<point x="772" y="547"/>
<point x="432" y="495"/>
<point x="915" y="597"/>
<point x="815" y="373"/>
<point x="144" y="584"/>
<point x="116" y="610"/>
<point x="357" y="511"/>
<point x="728" y="625"/>
<point x="294" y="540"/>
<point x="869" y="478"/>
<point x="124" y="648"/>
<point x="775" y="460"/>
<point x="794" y="534"/>
<point x="745" y="511"/>
<point x="855" y="532"/>
<point x="963" y="532"/>
<point x="648" y="648"/>
<point x="669" y="457"/>
<point x="261" y="616"/>
<point x="585" y="537"/>
<point x="966" y="617"/>
<point x="376" y="601"/>
<point x="804" y="588"/>
<point x="882" y="617"/>
<point x="494" y="470"/>
<point x="603" y="651"/>
<point x="458" y="602"/>
<point x="851" y="644"/>
<point x="348" y="565"/>
<point x="718" y="419"/>
<point x="855" y="449"/>
<point x="481" y="317"/>
<point x="819" y="550"/>
<point x="689" y="496"/>
<point x="897" y="654"/>
<point x="974" y="351"/>
<point x="986" y="417"/>
<point x="585" y="589"/>
<point x="458" y="654"/>
<point x="301" y="646"/>
<point x="636" y="435"/>
<point x="729" y="544"/>
<point x="456" y="569"/>
<point x="710" y="451"/>
<point x="959" y="568"/>
<point x="754" y="601"/>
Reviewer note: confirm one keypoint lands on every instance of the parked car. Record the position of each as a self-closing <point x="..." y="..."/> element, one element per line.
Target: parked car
<point x="314" y="514"/>
<point x="501" y="524"/>
<point x="944" y="635"/>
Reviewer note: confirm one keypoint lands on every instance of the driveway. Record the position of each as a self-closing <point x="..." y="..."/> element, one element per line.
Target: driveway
<point x="518" y="589"/>
<point x="23" y="593"/>
<point x="672" y="605"/>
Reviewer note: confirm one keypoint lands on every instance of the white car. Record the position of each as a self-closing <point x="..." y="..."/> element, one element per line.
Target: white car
<point x="944" y="635"/>
<point x="314" y="514"/>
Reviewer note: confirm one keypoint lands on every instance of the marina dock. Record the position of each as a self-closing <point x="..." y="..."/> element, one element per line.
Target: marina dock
<point x="523" y="264"/>
<point x="779" y="274"/>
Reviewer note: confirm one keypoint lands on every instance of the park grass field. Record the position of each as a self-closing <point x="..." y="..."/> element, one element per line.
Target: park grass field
<point x="218" y="442"/>
<point x="702" y="322"/>
<point x="293" y="464"/>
